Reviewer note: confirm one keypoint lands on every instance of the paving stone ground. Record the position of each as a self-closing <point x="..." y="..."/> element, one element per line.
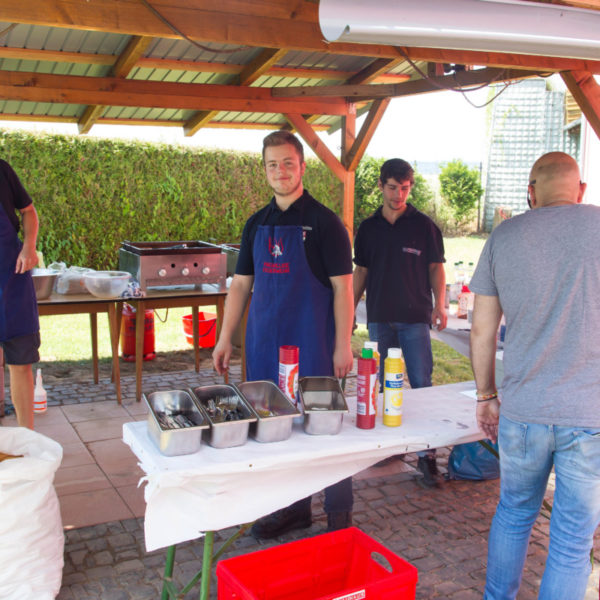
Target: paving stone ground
<point x="442" y="532"/>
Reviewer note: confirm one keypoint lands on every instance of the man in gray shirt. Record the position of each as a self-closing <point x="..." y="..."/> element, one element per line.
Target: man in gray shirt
<point x="542" y="270"/>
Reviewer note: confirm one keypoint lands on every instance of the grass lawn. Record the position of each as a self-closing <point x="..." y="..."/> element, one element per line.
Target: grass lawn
<point x="466" y="249"/>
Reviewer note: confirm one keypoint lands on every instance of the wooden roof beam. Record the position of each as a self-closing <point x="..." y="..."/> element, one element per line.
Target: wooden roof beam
<point x="357" y="151"/>
<point x="291" y="24"/>
<point x="415" y="86"/>
<point x="190" y="66"/>
<point x="113" y="91"/>
<point x="586" y="91"/>
<point x="124" y="64"/>
<point x="248" y="75"/>
<point x="318" y="147"/>
<point x="376" y="69"/>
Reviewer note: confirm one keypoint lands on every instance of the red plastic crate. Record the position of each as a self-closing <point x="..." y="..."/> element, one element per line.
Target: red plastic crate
<point x="333" y="566"/>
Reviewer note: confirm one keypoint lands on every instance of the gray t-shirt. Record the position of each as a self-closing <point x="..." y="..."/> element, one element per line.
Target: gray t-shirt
<point x="544" y="266"/>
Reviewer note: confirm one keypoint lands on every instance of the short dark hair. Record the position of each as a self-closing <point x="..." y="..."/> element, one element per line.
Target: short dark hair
<point x="397" y="169"/>
<point x="281" y="137"/>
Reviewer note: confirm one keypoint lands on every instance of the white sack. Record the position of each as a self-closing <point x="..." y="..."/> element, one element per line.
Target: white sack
<point x="31" y="532"/>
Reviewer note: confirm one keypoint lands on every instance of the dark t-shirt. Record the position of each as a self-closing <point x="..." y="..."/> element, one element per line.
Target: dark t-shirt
<point x="13" y="195"/>
<point x="326" y="243"/>
<point x="397" y="258"/>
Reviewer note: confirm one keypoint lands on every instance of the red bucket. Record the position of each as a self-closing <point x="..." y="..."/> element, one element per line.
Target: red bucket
<point x="207" y="329"/>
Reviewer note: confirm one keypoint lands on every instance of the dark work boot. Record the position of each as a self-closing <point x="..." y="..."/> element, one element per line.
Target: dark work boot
<point x="339" y="520"/>
<point x="428" y="466"/>
<point x="282" y="521"/>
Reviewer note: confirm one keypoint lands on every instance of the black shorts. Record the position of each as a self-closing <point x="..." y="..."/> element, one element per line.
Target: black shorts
<point x="22" y="350"/>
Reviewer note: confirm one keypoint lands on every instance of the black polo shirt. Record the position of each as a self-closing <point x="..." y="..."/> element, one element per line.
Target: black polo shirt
<point x="13" y="195"/>
<point x="397" y="258"/>
<point x="326" y="242"/>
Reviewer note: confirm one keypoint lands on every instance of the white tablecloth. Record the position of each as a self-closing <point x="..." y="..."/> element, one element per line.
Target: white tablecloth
<point x="217" y="488"/>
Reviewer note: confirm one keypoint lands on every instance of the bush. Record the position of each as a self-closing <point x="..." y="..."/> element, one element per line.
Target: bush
<point x="91" y="194"/>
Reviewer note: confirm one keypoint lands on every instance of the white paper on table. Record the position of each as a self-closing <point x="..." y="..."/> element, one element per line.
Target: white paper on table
<point x="218" y="488"/>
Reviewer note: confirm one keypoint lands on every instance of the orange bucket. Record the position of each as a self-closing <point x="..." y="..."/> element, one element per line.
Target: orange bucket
<point x="207" y="329"/>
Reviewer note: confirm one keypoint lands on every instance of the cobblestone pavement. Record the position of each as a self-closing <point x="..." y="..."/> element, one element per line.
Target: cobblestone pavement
<point x="442" y="532"/>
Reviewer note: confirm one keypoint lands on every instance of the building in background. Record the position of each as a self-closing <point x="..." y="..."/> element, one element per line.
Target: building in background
<point x="527" y="120"/>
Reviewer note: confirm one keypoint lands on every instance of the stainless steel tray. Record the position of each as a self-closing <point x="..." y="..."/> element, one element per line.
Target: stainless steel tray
<point x="177" y="440"/>
<point x="274" y="411"/>
<point x="224" y="433"/>
<point x="323" y="403"/>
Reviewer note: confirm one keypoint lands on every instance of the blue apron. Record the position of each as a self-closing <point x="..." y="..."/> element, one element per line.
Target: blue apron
<point x="289" y="306"/>
<point x="18" y="305"/>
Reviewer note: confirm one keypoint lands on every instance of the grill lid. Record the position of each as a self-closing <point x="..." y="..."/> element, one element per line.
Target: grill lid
<point x="166" y="248"/>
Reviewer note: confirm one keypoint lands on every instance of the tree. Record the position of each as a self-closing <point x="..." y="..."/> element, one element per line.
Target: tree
<point x="460" y="187"/>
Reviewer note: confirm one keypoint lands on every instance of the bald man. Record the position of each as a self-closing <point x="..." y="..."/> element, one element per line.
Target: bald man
<point x="542" y="270"/>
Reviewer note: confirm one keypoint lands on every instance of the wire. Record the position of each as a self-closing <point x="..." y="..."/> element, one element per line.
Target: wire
<point x="191" y="41"/>
<point x="7" y="30"/>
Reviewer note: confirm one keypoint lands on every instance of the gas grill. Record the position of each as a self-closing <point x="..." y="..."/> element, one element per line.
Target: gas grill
<point x="164" y="264"/>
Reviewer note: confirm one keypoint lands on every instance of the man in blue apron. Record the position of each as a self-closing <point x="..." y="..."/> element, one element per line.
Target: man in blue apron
<point x="295" y="258"/>
<point x="19" y="325"/>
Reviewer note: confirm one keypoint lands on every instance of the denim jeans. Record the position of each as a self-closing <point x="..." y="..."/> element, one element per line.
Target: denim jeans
<point x="527" y="454"/>
<point x="415" y="341"/>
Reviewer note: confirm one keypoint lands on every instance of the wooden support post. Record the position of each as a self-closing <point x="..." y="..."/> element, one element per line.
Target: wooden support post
<point x="586" y="92"/>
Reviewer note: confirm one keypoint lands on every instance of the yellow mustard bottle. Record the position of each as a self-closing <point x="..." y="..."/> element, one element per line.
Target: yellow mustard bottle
<point x="393" y="384"/>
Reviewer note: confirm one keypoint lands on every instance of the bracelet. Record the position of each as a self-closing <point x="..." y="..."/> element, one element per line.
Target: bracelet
<point x="487" y="397"/>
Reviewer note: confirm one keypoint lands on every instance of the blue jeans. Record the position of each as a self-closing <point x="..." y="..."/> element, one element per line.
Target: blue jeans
<point x="415" y="341"/>
<point x="527" y="453"/>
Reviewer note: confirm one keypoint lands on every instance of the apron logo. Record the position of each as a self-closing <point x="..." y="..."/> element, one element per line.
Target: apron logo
<point x="275" y="247"/>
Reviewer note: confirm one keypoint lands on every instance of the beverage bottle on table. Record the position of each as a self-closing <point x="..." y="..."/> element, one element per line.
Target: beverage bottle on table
<point x="393" y="384"/>
<point x="288" y="373"/>
<point x="366" y="400"/>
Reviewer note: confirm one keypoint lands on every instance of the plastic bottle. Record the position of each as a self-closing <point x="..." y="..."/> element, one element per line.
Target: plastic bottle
<point x="288" y="372"/>
<point x="393" y="384"/>
<point x="376" y="357"/>
<point x="40" y="398"/>
<point x="465" y="301"/>
<point x="366" y="402"/>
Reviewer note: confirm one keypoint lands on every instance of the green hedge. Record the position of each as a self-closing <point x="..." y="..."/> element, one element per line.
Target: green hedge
<point x="92" y="194"/>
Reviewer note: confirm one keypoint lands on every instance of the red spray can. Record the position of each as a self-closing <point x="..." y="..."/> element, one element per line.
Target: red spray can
<point x="288" y="372"/>
<point x="366" y="404"/>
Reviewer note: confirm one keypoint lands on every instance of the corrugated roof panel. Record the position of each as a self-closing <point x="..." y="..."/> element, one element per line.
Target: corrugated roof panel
<point x="184" y="50"/>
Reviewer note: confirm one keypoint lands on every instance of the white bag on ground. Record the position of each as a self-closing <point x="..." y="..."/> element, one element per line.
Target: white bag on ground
<point x="31" y="532"/>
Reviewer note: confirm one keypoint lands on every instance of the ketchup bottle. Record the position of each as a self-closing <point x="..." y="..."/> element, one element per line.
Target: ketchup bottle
<point x="366" y="405"/>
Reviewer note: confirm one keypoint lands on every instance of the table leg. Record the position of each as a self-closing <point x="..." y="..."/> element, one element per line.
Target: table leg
<point x="140" y="311"/>
<point x="170" y="561"/>
<point x="114" y="343"/>
<point x="209" y="539"/>
<point x="119" y="320"/>
<point x="195" y="323"/>
<point x="94" y="333"/>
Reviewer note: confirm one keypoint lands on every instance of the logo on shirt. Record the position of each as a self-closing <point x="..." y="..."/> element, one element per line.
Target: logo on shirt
<point x="412" y="251"/>
<point x="275" y="247"/>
